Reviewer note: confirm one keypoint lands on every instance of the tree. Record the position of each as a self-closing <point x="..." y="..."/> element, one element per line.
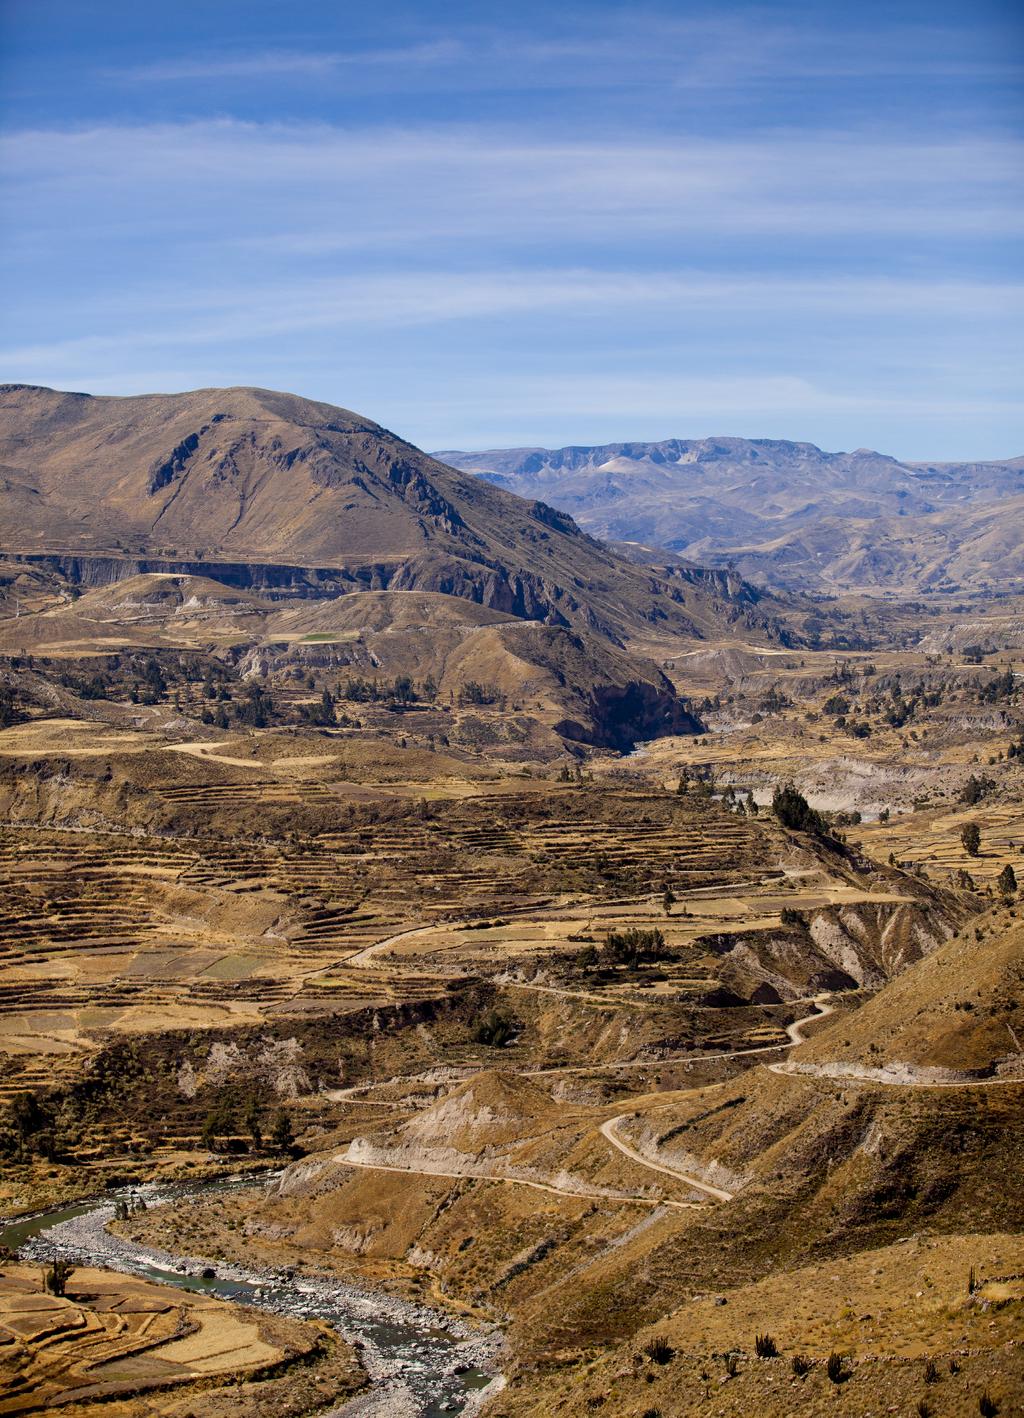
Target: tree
<point x="970" y="836"/>
<point x="252" y="1122"/>
<point x="975" y="789"/>
<point x="1006" y="881"/>
<point x="219" y="1123"/>
<point x="208" y="1136"/>
<point x="32" y="1123"/>
<point x="668" y="900"/>
<point x="587" y="958"/>
<point x="281" y="1134"/>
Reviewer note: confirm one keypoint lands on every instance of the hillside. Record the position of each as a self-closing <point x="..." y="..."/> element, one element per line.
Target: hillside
<point x="264" y="490"/>
<point x="784" y="513"/>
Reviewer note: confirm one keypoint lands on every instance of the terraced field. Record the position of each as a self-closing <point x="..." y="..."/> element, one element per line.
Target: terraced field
<point x="931" y="840"/>
<point x="114" y="1340"/>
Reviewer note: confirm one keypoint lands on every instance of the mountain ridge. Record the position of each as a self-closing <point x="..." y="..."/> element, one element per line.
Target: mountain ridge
<point x="750" y="503"/>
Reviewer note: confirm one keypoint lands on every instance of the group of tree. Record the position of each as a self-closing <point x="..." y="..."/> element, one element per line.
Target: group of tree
<point x="256" y="708"/>
<point x="400" y="690"/>
<point x="474" y="693"/>
<point x="629" y="949"/>
<point x="999" y="687"/>
<point x="220" y="1129"/>
<point x="793" y="811"/>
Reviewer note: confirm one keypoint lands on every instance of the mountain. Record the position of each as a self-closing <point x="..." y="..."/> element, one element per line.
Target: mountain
<point x="268" y="491"/>
<point x="279" y="532"/>
<point x="782" y="513"/>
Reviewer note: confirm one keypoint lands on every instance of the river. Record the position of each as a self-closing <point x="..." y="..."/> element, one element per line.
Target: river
<point x="422" y="1364"/>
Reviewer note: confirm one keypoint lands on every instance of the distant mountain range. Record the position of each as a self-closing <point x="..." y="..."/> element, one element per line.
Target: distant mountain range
<point x="785" y="514"/>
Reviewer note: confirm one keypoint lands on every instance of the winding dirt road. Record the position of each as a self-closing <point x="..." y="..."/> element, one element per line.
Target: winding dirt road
<point x="610" y="1130"/>
<point x="626" y="1198"/>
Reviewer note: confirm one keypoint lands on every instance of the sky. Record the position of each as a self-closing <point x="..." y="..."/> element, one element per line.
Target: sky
<point x="527" y="224"/>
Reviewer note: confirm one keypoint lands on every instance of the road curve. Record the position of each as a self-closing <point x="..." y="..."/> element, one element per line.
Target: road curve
<point x="610" y="1131"/>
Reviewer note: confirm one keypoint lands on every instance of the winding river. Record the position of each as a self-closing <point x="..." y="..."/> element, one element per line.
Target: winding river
<point x="421" y="1363"/>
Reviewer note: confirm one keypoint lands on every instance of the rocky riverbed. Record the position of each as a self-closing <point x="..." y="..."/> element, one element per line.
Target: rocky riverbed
<point x="422" y="1364"/>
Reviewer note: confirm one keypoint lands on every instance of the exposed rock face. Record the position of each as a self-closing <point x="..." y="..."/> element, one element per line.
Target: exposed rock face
<point x="850" y="947"/>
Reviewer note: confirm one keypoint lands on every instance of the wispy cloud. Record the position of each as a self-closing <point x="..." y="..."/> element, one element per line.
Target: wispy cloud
<point x="318" y="188"/>
<point x="161" y="316"/>
<point x="287" y="63"/>
<point x="612" y="50"/>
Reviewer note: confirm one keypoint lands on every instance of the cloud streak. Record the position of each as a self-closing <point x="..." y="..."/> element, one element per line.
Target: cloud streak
<point x="712" y="51"/>
<point x="313" y="189"/>
<point x="288" y="63"/>
<point x="406" y="300"/>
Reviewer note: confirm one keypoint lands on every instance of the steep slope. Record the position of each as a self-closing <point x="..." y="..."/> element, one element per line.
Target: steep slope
<point x="956" y="1013"/>
<point x="270" y="491"/>
<point x="784" y="513"/>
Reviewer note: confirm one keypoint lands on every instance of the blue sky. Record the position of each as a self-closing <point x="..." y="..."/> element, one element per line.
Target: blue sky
<point x="492" y="225"/>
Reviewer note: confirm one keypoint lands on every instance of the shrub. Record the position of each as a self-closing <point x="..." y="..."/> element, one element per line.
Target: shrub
<point x="789" y="917"/>
<point x="987" y="1406"/>
<point x="765" y="1346"/>
<point x="931" y="1372"/>
<point x="970" y="837"/>
<point x="800" y="1365"/>
<point x="732" y="1363"/>
<point x="55" y="1280"/>
<point x="659" y="1349"/>
<point x="494" y="1029"/>
<point x="834" y="1368"/>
